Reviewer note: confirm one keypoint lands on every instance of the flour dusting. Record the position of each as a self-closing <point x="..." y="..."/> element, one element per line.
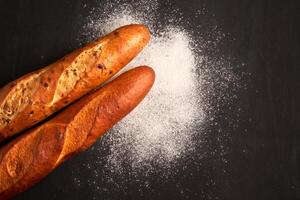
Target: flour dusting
<point x="165" y="132"/>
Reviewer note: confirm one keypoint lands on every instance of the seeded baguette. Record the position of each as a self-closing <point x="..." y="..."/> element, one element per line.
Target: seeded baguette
<point x="35" y="96"/>
<point x="34" y="154"/>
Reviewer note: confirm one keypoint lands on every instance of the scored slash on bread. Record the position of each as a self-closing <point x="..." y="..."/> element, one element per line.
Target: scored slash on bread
<point x="34" y="154"/>
<point x="37" y="95"/>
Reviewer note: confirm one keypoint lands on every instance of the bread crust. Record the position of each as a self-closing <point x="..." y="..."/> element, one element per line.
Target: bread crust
<point x="34" y="154"/>
<point x="33" y="97"/>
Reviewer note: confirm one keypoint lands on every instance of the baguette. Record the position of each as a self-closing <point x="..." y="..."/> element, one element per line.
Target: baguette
<point x="35" y="96"/>
<point x="34" y="154"/>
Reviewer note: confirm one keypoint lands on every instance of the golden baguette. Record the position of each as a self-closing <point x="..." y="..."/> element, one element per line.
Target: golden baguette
<point x="34" y="154"/>
<point x="35" y="96"/>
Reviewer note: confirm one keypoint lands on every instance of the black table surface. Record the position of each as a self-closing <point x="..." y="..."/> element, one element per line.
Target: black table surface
<point x="35" y="33"/>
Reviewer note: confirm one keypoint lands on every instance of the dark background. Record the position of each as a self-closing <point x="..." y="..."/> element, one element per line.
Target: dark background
<point x="263" y="164"/>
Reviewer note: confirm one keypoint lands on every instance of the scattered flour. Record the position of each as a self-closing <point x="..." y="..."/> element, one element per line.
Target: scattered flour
<point x="170" y="124"/>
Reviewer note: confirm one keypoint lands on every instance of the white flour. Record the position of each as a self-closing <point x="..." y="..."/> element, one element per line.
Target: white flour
<point x="170" y="123"/>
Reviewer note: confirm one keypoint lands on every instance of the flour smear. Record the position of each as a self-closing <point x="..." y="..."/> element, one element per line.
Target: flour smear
<point x="169" y="125"/>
